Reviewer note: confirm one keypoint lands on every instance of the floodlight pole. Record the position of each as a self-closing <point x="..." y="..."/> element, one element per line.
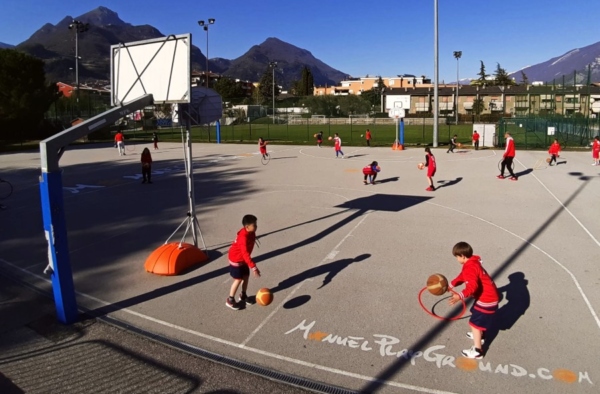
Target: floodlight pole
<point x="273" y="66"/>
<point x="435" y="74"/>
<point x="211" y="21"/>
<point x="79" y="27"/>
<point x="457" y="55"/>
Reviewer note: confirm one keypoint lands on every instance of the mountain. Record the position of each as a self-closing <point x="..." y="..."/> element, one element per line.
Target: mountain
<point x="5" y="46"/>
<point x="575" y="60"/>
<point x="55" y="44"/>
<point x="290" y="61"/>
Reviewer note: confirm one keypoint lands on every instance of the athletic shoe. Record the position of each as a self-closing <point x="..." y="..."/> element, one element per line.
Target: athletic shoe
<point x="514" y="178"/>
<point x="366" y="183"/>
<point x="500" y="177"/>
<point x="430" y="189"/>
<point x="246" y="299"/>
<point x="473" y="353"/>
<point x="373" y="183"/>
<point x="232" y="304"/>
<point x="470" y="336"/>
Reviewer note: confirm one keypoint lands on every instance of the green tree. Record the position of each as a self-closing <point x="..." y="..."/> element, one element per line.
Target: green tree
<point x="482" y="80"/>
<point x="229" y="89"/>
<point x="524" y="79"/>
<point x="353" y="105"/>
<point x="322" y="105"/>
<point x="373" y="96"/>
<point x="266" y="85"/>
<point x="304" y="86"/>
<point x="501" y="77"/>
<point x="478" y="107"/>
<point x="24" y="93"/>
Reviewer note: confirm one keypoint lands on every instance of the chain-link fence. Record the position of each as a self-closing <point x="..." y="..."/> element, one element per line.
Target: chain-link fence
<point x="540" y="132"/>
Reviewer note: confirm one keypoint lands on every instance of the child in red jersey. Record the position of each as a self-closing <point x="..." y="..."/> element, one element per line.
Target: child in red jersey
<point x="240" y="262"/>
<point x="368" y="137"/>
<point x="507" y="158"/>
<point x="596" y="151"/>
<point x="337" y="142"/>
<point x="262" y="146"/>
<point x="431" y="168"/>
<point x="371" y="171"/>
<point x="554" y="151"/>
<point x="146" y="166"/>
<point x="482" y="288"/>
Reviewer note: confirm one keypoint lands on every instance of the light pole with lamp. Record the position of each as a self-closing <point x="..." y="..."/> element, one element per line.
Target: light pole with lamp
<point x="457" y="55"/>
<point x="273" y="66"/>
<point x="211" y="21"/>
<point x="435" y="75"/>
<point x="78" y="27"/>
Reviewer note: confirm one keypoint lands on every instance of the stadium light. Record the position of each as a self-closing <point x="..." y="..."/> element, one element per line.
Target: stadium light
<point x="457" y="55"/>
<point x="273" y="66"/>
<point x="78" y="27"/>
<point x="211" y="21"/>
<point x="435" y="75"/>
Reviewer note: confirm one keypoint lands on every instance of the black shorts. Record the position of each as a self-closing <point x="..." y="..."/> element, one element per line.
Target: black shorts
<point x="481" y="321"/>
<point x="239" y="272"/>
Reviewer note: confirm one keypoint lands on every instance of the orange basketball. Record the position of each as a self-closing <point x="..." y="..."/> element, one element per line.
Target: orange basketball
<point x="548" y="160"/>
<point x="264" y="296"/>
<point x="330" y="138"/>
<point x="437" y="284"/>
<point x="459" y="145"/>
<point x="420" y="166"/>
<point x="314" y="135"/>
<point x="378" y="168"/>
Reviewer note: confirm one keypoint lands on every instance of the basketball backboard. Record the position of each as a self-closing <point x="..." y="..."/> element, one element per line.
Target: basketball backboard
<point x="159" y="66"/>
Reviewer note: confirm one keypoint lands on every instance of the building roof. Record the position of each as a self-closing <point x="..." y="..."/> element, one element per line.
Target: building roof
<point x="494" y="90"/>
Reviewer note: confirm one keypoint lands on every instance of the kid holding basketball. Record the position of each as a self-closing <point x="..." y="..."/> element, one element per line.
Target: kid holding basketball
<point x="262" y="146"/>
<point x="371" y="171"/>
<point x="431" y="168"/>
<point x="337" y="141"/>
<point x="482" y="288"/>
<point x="596" y="151"/>
<point x="507" y="158"/>
<point x="240" y="262"/>
<point x="452" y="144"/>
<point x="319" y="138"/>
<point x="554" y="151"/>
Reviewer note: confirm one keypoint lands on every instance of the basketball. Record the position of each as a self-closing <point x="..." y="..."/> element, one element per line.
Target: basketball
<point x="361" y="136"/>
<point x="378" y="168"/>
<point x="548" y="160"/>
<point x="420" y="166"/>
<point x="330" y="138"/>
<point x="314" y="135"/>
<point x="437" y="284"/>
<point x="264" y="296"/>
<point x="459" y="145"/>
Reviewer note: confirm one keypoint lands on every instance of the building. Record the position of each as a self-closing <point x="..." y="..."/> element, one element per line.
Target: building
<point x="101" y="88"/>
<point x="519" y="100"/>
<point x="359" y="85"/>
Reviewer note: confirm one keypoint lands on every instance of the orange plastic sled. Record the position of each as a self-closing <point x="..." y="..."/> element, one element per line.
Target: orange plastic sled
<point x="173" y="258"/>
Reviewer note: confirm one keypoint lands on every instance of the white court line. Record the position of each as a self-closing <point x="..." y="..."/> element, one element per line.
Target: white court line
<point x="253" y="350"/>
<point x="564" y="207"/>
<point x="329" y="256"/>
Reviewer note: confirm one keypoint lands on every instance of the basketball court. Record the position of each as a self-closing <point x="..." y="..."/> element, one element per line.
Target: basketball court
<point x="345" y="261"/>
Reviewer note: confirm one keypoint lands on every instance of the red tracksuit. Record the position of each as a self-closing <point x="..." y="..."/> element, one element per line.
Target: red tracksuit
<point x="554" y="149"/>
<point x="596" y="150"/>
<point x="241" y="249"/>
<point x="510" y="148"/>
<point x="430" y="164"/>
<point x="478" y="285"/>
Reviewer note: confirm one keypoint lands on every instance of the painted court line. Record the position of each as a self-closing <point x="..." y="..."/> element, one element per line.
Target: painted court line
<point x="564" y="207"/>
<point x="250" y="349"/>
<point x="333" y="253"/>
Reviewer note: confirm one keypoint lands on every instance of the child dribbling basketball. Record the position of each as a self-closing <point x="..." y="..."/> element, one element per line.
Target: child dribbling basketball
<point x="554" y="152"/>
<point x="262" y="147"/>
<point x="431" y="168"/>
<point x="370" y="172"/>
<point x="240" y="262"/>
<point x="482" y="288"/>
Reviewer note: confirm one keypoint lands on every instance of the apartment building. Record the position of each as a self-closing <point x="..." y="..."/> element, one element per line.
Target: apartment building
<point x="359" y="85"/>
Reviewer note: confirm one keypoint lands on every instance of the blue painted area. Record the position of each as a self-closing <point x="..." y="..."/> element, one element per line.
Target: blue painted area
<point x="55" y="228"/>
<point x="218" y="132"/>
<point x="402" y="131"/>
<point x="167" y="122"/>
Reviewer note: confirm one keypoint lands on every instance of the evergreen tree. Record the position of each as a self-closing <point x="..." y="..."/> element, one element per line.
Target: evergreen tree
<point x="501" y="77"/>
<point x="524" y="79"/>
<point x="266" y="85"/>
<point x="482" y="80"/>
<point x="229" y="89"/>
<point x="478" y="107"/>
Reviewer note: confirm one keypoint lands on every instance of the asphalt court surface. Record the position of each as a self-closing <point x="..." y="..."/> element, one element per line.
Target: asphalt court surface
<point x="345" y="261"/>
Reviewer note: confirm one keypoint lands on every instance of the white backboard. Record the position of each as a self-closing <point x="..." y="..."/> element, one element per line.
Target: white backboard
<point x="397" y="101"/>
<point x="396" y="113"/>
<point x="161" y="67"/>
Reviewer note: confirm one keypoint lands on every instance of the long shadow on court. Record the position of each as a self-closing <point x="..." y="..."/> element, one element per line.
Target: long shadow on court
<point x="379" y="381"/>
<point x="331" y="269"/>
<point x="517" y="296"/>
<point x="450" y="183"/>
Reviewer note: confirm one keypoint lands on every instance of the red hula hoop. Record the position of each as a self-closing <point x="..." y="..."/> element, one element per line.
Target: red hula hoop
<point x="464" y="308"/>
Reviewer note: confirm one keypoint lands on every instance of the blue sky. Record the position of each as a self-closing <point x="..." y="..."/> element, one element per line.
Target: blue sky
<point x="358" y="37"/>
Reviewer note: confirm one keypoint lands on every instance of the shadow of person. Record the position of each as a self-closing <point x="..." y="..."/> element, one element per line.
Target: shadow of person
<point x="386" y="180"/>
<point x="450" y="183"/>
<point x="332" y="269"/>
<point x="517" y="297"/>
<point x="524" y="172"/>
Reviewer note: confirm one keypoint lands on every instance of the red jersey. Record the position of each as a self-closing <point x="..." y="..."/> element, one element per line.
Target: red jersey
<point x="338" y="143"/>
<point x="478" y="285"/>
<point x="510" y="148"/>
<point x="368" y="135"/>
<point x="119" y="137"/>
<point x="370" y="170"/>
<point x="596" y="146"/>
<point x="241" y="249"/>
<point x="475" y="136"/>
<point x="554" y="148"/>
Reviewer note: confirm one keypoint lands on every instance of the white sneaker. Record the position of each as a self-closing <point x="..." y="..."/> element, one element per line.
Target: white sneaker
<point x="472" y="353"/>
<point x="470" y="336"/>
